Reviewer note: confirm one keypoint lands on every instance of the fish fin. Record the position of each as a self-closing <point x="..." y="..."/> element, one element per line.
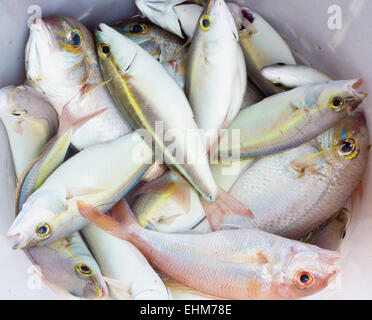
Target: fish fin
<point x="225" y="204"/>
<point x="102" y="220"/>
<point x="70" y="121"/>
<point x="89" y="88"/>
<point x="169" y="220"/>
<point x="171" y="186"/>
<point x="155" y="171"/>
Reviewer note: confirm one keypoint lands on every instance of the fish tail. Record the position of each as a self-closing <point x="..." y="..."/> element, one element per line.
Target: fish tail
<point x="118" y="224"/>
<point x="224" y="205"/>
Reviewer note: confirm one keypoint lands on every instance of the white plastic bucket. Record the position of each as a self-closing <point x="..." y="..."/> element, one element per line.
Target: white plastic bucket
<point x="309" y="26"/>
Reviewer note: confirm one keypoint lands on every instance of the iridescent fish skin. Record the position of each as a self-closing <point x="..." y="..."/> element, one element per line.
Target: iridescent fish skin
<point x="217" y="79"/>
<point x="149" y="96"/>
<point x="61" y="62"/>
<point x="292" y="76"/>
<point x="168" y="205"/>
<point x="68" y="267"/>
<point x="331" y="234"/>
<point x="162" y="45"/>
<point x="230" y="264"/>
<point x="290" y="118"/>
<point x="50" y="213"/>
<point x="26" y="113"/>
<point x="293" y="192"/>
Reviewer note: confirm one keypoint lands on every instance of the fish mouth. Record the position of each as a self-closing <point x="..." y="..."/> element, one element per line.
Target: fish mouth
<point x="19" y="240"/>
<point x="39" y="26"/>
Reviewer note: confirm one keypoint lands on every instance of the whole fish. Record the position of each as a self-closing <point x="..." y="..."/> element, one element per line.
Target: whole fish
<point x="331" y="234"/>
<point x="290" y="118"/>
<point x="217" y="78"/>
<point x="52" y="156"/>
<point x="230" y="264"/>
<point x="162" y="45"/>
<point x="262" y="46"/>
<point x="128" y="274"/>
<point x="61" y="62"/>
<point x="26" y="113"/>
<point x="68" y="267"/>
<point x="292" y="76"/>
<point x="168" y="204"/>
<point x="293" y="192"/>
<point x="99" y="175"/>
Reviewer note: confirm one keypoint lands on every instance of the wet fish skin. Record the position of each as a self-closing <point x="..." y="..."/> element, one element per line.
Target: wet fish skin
<point x="230" y="264"/>
<point x="102" y="183"/>
<point x="26" y="113"/>
<point x="61" y="62"/>
<point x="133" y="87"/>
<point x="292" y="76"/>
<point x="58" y="264"/>
<point x="291" y="201"/>
<point x="290" y="118"/>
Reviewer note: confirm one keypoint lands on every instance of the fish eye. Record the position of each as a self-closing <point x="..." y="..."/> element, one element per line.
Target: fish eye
<point x="277" y="84"/>
<point x="83" y="269"/>
<point x="138" y="28"/>
<point x="19" y="113"/>
<point x="105" y="50"/>
<point x="43" y="230"/>
<point x="304" y="279"/>
<point x="343" y="234"/>
<point x="205" y="23"/>
<point x="280" y="64"/>
<point x="75" y="38"/>
<point x="336" y="104"/>
<point x="348" y="148"/>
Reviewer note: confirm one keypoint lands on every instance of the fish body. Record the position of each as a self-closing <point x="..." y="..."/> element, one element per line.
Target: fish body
<point x="68" y="267"/>
<point x="152" y="100"/>
<point x="99" y="175"/>
<point x="26" y="113"/>
<point x="162" y="45"/>
<point x="262" y="46"/>
<point x="61" y="62"/>
<point x="168" y="205"/>
<point x="217" y="78"/>
<point x="290" y="118"/>
<point x="294" y="192"/>
<point x="121" y="261"/>
<point x="331" y="234"/>
<point x="230" y="264"/>
<point x="292" y="76"/>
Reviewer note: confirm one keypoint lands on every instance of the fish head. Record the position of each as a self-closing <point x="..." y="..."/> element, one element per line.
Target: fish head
<point x="25" y="105"/>
<point x="161" y="13"/>
<point x="58" y="53"/>
<point x="68" y="266"/>
<point x="216" y="23"/>
<point x="36" y="223"/>
<point x="308" y="270"/>
<point x="114" y="49"/>
<point x="334" y="99"/>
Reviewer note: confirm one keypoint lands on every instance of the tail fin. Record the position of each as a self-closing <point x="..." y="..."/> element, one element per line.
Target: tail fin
<point x="224" y="205"/>
<point x="117" y="225"/>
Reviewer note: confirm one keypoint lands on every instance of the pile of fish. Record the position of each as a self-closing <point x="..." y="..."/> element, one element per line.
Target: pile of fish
<point x="181" y="154"/>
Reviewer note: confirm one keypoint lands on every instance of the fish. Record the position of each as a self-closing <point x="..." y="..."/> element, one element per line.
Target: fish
<point x="164" y="46"/>
<point x="100" y="175"/>
<point x="217" y="78"/>
<point x="293" y="76"/>
<point x="51" y="156"/>
<point x="129" y="276"/>
<point x="229" y="264"/>
<point x="168" y="204"/>
<point x="262" y="46"/>
<point x="61" y="61"/>
<point x="293" y="192"/>
<point x="290" y="118"/>
<point x="26" y="113"/>
<point x="331" y="234"/>
<point x="69" y="268"/>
